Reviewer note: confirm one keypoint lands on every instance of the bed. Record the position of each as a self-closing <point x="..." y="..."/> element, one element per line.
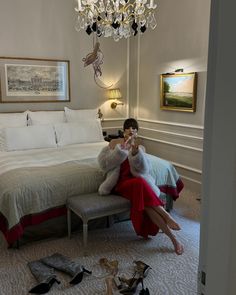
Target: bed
<point x="36" y="178"/>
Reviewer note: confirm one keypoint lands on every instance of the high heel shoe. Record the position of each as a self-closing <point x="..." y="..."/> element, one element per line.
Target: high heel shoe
<point x="132" y="286"/>
<point x="144" y="291"/>
<point x="111" y="285"/>
<point x="110" y="265"/>
<point x="141" y="268"/>
<point x="44" y="287"/>
<point x="79" y="276"/>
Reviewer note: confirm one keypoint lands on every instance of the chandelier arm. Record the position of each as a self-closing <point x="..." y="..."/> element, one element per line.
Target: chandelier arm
<point x="122" y="10"/>
<point x="126" y="8"/>
<point x="132" y="15"/>
<point x="105" y="22"/>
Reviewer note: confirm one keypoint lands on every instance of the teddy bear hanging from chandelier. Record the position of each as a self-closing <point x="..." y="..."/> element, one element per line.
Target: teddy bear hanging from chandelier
<point x="96" y="59"/>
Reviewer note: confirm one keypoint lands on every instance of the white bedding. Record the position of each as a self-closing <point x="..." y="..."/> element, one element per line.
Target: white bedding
<point x="49" y="156"/>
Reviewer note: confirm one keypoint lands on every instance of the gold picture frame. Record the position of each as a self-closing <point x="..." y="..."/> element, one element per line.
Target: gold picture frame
<point x="34" y="80"/>
<point x="178" y="92"/>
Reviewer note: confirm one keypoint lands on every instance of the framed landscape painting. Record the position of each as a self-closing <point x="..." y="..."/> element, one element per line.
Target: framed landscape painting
<point x="34" y="80"/>
<point x="178" y="92"/>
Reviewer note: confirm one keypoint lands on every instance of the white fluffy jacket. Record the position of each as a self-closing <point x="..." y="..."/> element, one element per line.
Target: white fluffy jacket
<point x="110" y="161"/>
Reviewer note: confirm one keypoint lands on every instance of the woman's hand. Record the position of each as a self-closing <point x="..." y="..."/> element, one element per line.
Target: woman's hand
<point x="127" y="143"/>
<point x="134" y="146"/>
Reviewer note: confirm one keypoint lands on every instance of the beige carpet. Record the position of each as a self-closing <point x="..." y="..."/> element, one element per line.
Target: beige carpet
<point x="170" y="274"/>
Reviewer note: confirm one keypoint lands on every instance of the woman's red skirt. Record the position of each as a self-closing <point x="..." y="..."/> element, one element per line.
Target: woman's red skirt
<point x="141" y="195"/>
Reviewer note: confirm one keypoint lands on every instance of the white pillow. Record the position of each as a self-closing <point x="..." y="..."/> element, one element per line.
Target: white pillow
<point x="13" y="119"/>
<point x="82" y="132"/>
<point x="10" y="120"/>
<point x="29" y="137"/>
<point x="45" y="117"/>
<point x="80" y="115"/>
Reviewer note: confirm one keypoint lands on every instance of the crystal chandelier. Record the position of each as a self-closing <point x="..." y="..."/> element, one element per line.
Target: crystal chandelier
<point x="115" y="18"/>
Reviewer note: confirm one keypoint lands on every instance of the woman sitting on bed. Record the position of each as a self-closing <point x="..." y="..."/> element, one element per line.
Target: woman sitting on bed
<point x="127" y="169"/>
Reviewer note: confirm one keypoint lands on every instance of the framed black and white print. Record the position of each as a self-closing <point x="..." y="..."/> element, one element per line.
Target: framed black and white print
<point x="34" y="80"/>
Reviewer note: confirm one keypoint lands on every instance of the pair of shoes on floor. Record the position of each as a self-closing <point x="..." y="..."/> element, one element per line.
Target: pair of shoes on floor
<point x="123" y="285"/>
<point x="44" y="271"/>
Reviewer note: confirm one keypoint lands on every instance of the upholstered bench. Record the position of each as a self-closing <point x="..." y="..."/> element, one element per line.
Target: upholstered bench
<point x="91" y="206"/>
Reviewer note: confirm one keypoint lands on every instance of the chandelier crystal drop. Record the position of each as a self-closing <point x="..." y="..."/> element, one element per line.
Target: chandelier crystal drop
<point x="115" y="18"/>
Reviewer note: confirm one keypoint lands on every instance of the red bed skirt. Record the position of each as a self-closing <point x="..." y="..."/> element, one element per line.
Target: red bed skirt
<point x="13" y="234"/>
<point x="172" y="191"/>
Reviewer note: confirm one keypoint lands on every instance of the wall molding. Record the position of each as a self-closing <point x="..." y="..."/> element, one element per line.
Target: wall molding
<point x="127" y="77"/>
<point x="191" y="179"/>
<point x="172" y="133"/>
<point x="192" y="185"/>
<point x="190" y="176"/>
<point x="187" y="168"/>
<point x="113" y="119"/>
<point x="173" y="144"/>
<point x="138" y="77"/>
<point x="111" y="128"/>
<point x="172" y="124"/>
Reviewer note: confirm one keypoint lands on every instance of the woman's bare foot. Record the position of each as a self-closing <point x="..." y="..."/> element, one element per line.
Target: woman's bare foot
<point x="179" y="249"/>
<point x="167" y="217"/>
<point x="172" y="223"/>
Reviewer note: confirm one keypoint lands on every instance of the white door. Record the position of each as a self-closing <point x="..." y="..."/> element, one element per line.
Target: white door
<point x="218" y="220"/>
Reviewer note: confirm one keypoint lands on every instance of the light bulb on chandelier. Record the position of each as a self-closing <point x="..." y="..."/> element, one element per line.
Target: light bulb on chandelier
<point x="115" y="18"/>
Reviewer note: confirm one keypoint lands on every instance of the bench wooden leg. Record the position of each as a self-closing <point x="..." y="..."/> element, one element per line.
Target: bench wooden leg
<point x="69" y="222"/>
<point x="85" y="236"/>
<point x="110" y="220"/>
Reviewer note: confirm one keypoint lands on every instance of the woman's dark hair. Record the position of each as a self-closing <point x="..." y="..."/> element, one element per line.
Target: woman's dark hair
<point x="131" y="122"/>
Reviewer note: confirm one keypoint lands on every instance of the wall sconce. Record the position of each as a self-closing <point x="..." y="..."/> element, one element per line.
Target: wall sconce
<point x="115" y="94"/>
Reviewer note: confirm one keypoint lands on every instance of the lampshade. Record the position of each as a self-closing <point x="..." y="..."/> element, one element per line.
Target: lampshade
<point x="114" y="94"/>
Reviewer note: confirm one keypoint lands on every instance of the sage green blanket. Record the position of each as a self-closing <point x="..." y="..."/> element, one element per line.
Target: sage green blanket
<point x="25" y="191"/>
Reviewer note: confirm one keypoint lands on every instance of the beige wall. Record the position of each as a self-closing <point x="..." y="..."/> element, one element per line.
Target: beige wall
<point x="45" y="29"/>
<point x="180" y="40"/>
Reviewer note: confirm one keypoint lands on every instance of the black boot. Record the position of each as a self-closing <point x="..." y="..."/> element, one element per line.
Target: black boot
<point x="44" y="275"/>
<point x="65" y="264"/>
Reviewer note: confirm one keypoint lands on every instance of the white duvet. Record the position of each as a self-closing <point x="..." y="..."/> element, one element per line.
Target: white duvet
<point x="49" y="156"/>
